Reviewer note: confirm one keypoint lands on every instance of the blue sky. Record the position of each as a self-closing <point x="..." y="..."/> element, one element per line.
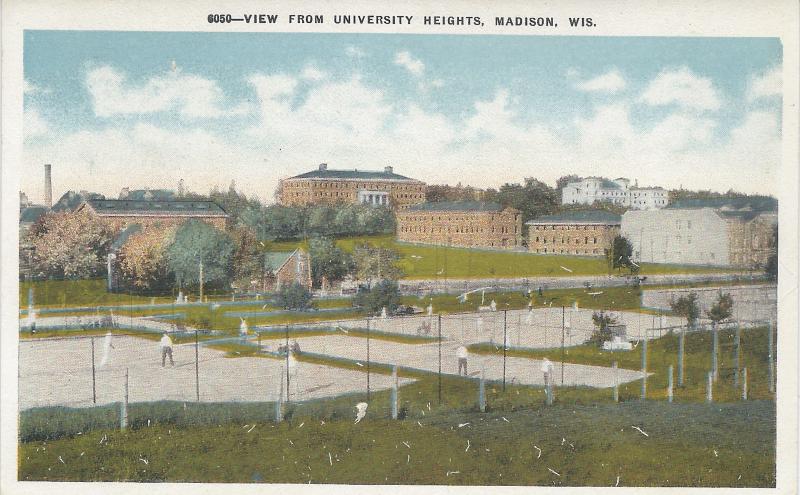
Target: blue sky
<point x="109" y="109"/>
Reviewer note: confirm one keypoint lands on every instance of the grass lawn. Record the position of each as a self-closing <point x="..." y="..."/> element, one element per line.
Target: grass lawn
<point x="730" y="445"/>
<point x="427" y="262"/>
<point x="663" y="352"/>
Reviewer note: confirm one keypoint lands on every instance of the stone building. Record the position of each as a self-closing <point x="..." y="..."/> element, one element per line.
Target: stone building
<point x="721" y="232"/>
<point x="285" y="268"/>
<point x="461" y="223"/>
<point x="122" y="213"/>
<point x="585" y="233"/>
<point x="618" y="191"/>
<point x="326" y="186"/>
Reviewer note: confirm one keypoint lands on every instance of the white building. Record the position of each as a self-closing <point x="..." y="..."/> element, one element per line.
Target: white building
<point x="618" y="191"/>
<point x="719" y="232"/>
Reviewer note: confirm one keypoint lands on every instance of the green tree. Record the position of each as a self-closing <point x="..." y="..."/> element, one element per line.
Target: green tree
<point x="721" y="310"/>
<point x="602" y="333"/>
<point x="294" y="297"/>
<point x="248" y="257"/>
<point x="199" y="247"/>
<point x="771" y="268"/>
<point x="329" y="261"/>
<point x="375" y="263"/>
<point x="687" y="307"/>
<point x="143" y="261"/>
<point x="384" y="294"/>
<point x="532" y="199"/>
<point x="619" y="256"/>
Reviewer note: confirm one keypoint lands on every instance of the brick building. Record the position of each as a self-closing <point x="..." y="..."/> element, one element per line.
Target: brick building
<point x="585" y="233"/>
<point x="286" y="268"/>
<point x="122" y="213"/>
<point x="461" y="223"/>
<point x="326" y="186"/>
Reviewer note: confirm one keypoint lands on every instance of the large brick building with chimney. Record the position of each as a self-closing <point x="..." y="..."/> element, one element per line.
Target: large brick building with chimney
<point x="461" y="223"/>
<point x="583" y="233"/>
<point x="326" y="186"/>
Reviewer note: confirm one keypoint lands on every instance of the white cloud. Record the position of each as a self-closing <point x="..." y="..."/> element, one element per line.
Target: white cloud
<point x="682" y="87"/>
<point x="437" y="83"/>
<point x="312" y="73"/>
<point x="34" y="124"/>
<point x="407" y="61"/>
<point x="191" y="96"/>
<point x="765" y="85"/>
<point x="30" y="88"/>
<point x="355" y="52"/>
<point x="610" y="82"/>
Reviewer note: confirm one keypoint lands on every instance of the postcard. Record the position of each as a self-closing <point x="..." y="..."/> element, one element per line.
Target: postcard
<point x="470" y="246"/>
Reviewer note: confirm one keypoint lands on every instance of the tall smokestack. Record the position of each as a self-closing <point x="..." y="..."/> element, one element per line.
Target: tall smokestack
<point x="48" y="187"/>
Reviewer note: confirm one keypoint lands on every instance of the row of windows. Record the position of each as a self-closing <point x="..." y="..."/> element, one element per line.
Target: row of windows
<point x="458" y="229"/>
<point x="567" y="241"/>
<point x="567" y="227"/>
<point x="568" y="251"/>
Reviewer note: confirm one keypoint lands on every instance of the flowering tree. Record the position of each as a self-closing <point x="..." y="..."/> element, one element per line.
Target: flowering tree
<point x="71" y="245"/>
<point x="143" y="260"/>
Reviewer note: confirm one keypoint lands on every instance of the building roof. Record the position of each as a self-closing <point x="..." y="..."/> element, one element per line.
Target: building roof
<point x="751" y="203"/>
<point x="456" y="206"/>
<point x="325" y="173"/>
<point x="592" y="217"/>
<point x="124" y="235"/>
<point x="31" y="214"/>
<point x="71" y="200"/>
<point x="119" y="207"/>
<point x="274" y="260"/>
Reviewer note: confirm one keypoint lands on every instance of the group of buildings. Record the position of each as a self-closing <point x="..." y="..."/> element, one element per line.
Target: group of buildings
<point x="722" y="232"/>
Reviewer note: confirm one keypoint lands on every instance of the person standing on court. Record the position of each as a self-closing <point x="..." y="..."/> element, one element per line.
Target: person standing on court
<point x="166" y="350"/>
<point x="547" y="369"/>
<point x="462" y="354"/>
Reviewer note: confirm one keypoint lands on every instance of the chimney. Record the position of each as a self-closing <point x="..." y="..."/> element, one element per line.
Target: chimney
<point x="388" y="170"/>
<point x="323" y="166"/>
<point x="48" y="186"/>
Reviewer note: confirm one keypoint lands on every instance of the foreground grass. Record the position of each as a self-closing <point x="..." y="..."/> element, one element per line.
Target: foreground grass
<point x="730" y="445"/>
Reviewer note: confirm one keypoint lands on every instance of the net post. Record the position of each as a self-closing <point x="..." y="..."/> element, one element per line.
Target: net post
<point x="615" y="393"/>
<point x="94" y="381"/>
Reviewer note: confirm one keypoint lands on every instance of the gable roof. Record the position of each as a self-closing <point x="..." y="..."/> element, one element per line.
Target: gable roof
<point x="591" y="217"/>
<point x="353" y="175"/>
<point x="120" y="207"/>
<point x="124" y="235"/>
<point x="274" y="260"/>
<point x="71" y="200"/>
<point x="456" y="206"/>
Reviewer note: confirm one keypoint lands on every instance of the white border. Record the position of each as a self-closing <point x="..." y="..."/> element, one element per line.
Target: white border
<point x="720" y="18"/>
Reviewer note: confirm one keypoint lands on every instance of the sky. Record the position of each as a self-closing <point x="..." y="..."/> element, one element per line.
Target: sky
<point x="138" y="109"/>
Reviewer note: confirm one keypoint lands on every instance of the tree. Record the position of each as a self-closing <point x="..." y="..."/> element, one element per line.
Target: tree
<point x="143" y="259"/>
<point x="248" y="258"/>
<point x="71" y="245"/>
<point x="687" y="307"/>
<point x="562" y="182"/>
<point x="533" y="199"/>
<point x="294" y="297"/>
<point x="620" y="254"/>
<point x="200" y="248"/>
<point x="721" y="310"/>
<point x="329" y="261"/>
<point x="602" y="332"/>
<point x="385" y="294"/>
<point x="375" y="263"/>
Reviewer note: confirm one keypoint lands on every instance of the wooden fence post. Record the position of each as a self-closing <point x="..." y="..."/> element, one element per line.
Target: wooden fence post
<point x="681" y="344"/>
<point x="482" y="392"/>
<point x="710" y="386"/>
<point x="744" y="384"/>
<point x="669" y="384"/>
<point x="123" y="414"/>
<point x="616" y="381"/>
<point x="644" y="370"/>
<point x="394" y="392"/>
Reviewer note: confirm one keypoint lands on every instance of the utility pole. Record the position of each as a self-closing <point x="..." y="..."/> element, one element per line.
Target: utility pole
<point x="201" y="280"/>
<point x="505" y="317"/>
<point x="563" y="314"/>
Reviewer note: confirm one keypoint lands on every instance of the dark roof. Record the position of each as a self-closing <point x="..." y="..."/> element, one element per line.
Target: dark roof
<point x="457" y="206"/>
<point x="70" y="200"/>
<point x="579" y="217"/>
<point x="124" y="235"/>
<point x="31" y="213"/>
<point x="352" y="174"/>
<point x="166" y="208"/>
<point x="751" y="203"/>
